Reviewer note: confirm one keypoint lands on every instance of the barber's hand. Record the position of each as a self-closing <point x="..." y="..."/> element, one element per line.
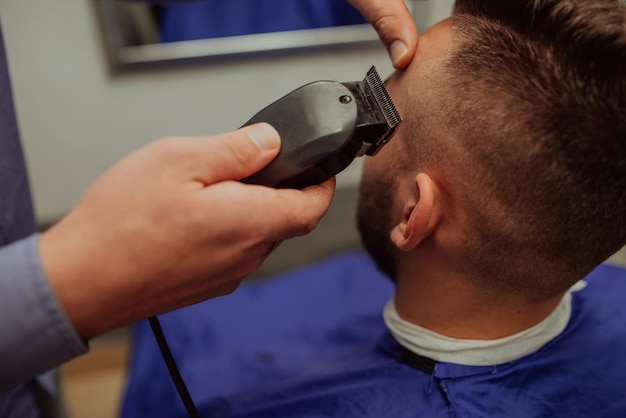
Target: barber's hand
<point x="168" y="226"/>
<point x="394" y="25"/>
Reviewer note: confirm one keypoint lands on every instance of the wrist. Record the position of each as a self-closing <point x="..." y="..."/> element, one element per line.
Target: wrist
<point x="68" y="263"/>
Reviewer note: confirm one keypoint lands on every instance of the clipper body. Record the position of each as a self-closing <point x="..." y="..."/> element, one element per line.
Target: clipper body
<point x="324" y="126"/>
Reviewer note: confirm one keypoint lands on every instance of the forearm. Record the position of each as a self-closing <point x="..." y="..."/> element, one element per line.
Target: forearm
<point x="35" y="335"/>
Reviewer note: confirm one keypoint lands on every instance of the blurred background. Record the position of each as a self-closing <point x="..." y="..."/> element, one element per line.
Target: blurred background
<point x="77" y="117"/>
<point x="80" y="109"/>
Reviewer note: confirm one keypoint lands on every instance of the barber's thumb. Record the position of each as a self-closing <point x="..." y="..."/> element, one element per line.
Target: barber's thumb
<point x="264" y="136"/>
<point x="239" y="154"/>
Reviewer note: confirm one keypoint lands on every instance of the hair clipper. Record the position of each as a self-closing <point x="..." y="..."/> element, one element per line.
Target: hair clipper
<point x="323" y="127"/>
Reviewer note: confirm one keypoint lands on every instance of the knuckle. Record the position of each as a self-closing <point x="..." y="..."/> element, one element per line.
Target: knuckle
<point x="248" y="264"/>
<point x="254" y="264"/>
<point x="229" y="289"/>
<point x="305" y="226"/>
<point x="299" y="217"/>
<point x="310" y="225"/>
<point x="238" y="152"/>
<point x="385" y="24"/>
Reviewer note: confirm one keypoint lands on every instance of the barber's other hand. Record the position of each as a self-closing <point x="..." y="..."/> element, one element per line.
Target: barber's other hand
<point x="394" y="25"/>
<point x="169" y="226"/>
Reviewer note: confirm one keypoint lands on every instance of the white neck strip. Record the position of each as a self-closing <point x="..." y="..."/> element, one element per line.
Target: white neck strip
<point x="444" y="349"/>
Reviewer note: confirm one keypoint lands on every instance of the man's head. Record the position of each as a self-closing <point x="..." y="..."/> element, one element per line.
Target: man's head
<point x="510" y="168"/>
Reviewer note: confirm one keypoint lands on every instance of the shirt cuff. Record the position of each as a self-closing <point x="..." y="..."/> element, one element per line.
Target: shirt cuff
<point x="36" y="334"/>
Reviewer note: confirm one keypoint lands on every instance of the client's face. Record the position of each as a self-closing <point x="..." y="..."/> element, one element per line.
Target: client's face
<point x="390" y="173"/>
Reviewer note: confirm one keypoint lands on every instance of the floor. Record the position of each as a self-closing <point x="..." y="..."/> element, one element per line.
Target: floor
<point x="93" y="384"/>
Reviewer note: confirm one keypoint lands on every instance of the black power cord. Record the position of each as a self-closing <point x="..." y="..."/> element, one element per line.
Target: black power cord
<point x="171" y="366"/>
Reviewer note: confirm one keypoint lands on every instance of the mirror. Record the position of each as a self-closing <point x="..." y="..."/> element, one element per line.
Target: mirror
<point x="143" y="33"/>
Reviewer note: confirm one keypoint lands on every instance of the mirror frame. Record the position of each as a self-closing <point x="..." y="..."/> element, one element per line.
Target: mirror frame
<point x="122" y="57"/>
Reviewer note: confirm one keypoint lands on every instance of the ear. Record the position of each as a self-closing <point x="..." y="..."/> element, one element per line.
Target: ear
<point x="420" y="215"/>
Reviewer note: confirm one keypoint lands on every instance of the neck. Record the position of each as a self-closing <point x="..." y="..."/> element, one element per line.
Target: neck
<point x="432" y="296"/>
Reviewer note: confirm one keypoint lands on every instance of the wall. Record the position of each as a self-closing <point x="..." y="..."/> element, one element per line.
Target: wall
<point x="76" y="119"/>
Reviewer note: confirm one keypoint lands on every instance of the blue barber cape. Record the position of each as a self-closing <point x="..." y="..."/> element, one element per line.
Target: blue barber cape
<point x="312" y="343"/>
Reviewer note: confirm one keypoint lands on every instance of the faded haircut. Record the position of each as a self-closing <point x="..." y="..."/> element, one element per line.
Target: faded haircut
<point x="536" y="94"/>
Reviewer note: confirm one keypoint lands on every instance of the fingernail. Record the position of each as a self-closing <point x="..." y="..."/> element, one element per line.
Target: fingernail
<point x="397" y="51"/>
<point x="264" y="136"/>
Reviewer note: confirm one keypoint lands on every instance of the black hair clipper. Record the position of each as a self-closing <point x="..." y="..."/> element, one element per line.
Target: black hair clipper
<point x="324" y="126"/>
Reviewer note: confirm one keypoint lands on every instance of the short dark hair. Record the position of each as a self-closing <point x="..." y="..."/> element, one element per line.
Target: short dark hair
<point x="537" y="99"/>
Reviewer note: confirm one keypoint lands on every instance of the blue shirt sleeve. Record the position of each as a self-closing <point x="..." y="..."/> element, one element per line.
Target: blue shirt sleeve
<point x="35" y="333"/>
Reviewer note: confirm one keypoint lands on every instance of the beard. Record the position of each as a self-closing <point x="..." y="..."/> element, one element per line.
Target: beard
<point x="374" y="223"/>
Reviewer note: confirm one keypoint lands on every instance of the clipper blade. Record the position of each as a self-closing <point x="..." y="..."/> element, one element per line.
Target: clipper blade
<point x="382" y="97"/>
<point x="378" y="117"/>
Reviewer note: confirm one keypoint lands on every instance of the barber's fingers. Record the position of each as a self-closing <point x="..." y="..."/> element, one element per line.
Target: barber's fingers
<point x="274" y="214"/>
<point x="395" y="26"/>
<point x="299" y="211"/>
<point x="233" y="155"/>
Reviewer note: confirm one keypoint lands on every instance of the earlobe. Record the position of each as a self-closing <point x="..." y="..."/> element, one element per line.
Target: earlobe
<point x="419" y="216"/>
